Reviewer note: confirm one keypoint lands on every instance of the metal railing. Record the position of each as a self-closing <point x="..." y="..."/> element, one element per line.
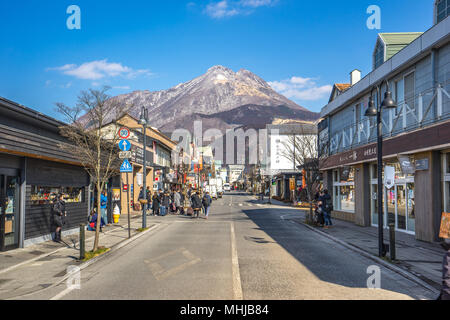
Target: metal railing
<point x="429" y="107"/>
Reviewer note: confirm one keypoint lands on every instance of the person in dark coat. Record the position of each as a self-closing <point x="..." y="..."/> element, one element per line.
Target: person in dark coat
<point x="155" y="205"/>
<point x="326" y="206"/>
<point x="165" y="202"/>
<point x="206" y="201"/>
<point x="59" y="212"/>
<point x="149" y="198"/>
<point x="445" y="292"/>
<point x="196" y="204"/>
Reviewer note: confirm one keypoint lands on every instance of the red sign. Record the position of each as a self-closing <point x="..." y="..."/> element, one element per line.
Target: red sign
<point x="124" y="133"/>
<point x="125" y="187"/>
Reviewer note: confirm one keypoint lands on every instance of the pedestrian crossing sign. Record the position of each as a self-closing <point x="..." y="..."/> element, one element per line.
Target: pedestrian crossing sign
<point x="126" y="167"/>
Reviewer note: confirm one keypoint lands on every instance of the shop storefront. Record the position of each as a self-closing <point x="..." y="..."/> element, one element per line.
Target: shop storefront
<point x="33" y="170"/>
<point x="398" y="201"/>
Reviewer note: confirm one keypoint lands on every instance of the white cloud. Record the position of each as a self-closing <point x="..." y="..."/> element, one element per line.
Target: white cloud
<point x="300" y="88"/>
<point x="229" y="8"/>
<point x="220" y="10"/>
<point x="122" y="87"/>
<point x="99" y="69"/>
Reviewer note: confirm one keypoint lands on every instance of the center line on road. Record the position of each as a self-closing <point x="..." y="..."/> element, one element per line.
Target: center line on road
<point x="237" y="287"/>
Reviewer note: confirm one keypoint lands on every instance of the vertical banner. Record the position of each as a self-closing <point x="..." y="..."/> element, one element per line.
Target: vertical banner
<point x="445" y="226"/>
<point x="303" y="179"/>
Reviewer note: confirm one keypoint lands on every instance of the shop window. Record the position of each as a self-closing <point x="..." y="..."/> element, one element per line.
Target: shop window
<point x="446" y="182"/>
<point x="46" y="195"/>
<point x="448" y="163"/>
<point x="344" y="189"/>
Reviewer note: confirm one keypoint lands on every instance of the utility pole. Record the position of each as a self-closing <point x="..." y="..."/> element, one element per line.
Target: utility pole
<point x="144" y="120"/>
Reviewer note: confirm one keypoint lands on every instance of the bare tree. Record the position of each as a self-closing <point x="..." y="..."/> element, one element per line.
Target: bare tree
<point x="302" y="150"/>
<point x="92" y="129"/>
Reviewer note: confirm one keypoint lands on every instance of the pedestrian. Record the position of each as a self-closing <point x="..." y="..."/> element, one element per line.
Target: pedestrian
<point x="93" y="221"/>
<point x="206" y="202"/>
<point x="155" y="204"/>
<point x="59" y="212"/>
<point x="177" y="201"/>
<point x="445" y="292"/>
<point x="326" y="206"/>
<point x="196" y="204"/>
<point x="103" y="204"/>
<point x="165" y="199"/>
<point x="148" y="195"/>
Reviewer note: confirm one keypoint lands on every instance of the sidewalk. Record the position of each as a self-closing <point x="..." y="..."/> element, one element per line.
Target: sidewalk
<point x="422" y="259"/>
<point x="28" y="270"/>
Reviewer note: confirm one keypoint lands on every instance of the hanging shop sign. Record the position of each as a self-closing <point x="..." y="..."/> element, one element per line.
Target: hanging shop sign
<point x="389" y="177"/>
<point x="116" y="194"/>
<point x="422" y="165"/>
<point x="139" y="178"/>
<point x="406" y="165"/>
<point x="292" y="184"/>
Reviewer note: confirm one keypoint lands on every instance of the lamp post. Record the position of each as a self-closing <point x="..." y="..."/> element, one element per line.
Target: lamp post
<point x="144" y="121"/>
<point x="372" y="111"/>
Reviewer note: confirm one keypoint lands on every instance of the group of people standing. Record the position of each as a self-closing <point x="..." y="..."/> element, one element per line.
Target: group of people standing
<point x="198" y="204"/>
<point x="324" y="208"/>
<point x="163" y="203"/>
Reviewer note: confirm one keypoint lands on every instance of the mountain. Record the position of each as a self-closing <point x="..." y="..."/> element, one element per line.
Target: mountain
<point x="221" y="98"/>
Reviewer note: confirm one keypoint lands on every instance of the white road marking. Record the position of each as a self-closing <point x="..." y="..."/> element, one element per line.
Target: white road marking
<point x="237" y="287"/>
<point x="62" y="293"/>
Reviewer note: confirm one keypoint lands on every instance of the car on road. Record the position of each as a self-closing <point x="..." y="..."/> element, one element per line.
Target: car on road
<point x="226" y="187"/>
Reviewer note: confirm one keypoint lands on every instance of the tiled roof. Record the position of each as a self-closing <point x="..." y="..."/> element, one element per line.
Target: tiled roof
<point x="342" y="86"/>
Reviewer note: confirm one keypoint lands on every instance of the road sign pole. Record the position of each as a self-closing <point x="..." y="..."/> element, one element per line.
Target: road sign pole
<point x="144" y="214"/>
<point x="128" y="208"/>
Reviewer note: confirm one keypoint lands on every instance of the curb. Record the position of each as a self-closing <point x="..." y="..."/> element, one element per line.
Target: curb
<point x="93" y="260"/>
<point x="45" y="255"/>
<point x="390" y="266"/>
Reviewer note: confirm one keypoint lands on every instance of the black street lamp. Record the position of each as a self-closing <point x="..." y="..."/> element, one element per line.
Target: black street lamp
<point x="144" y="121"/>
<point x="374" y="109"/>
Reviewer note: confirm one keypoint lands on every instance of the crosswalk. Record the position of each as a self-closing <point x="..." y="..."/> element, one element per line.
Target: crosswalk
<point x="246" y="204"/>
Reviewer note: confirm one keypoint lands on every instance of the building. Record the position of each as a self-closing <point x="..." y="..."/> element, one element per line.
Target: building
<point x="33" y="170"/>
<point x="159" y="172"/>
<point x="284" y="158"/>
<point x="416" y="135"/>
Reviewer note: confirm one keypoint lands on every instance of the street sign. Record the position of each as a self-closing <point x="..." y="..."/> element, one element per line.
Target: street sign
<point x="125" y="145"/>
<point x="124" y="154"/>
<point x="126" y="167"/>
<point x="124" y="133"/>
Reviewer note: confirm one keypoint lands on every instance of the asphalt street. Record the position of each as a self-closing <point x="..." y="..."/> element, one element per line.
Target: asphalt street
<point x="245" y="250"/>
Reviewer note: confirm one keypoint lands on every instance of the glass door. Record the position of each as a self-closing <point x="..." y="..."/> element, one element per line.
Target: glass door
<point x="390" y="206"/>
<point x="9" y="204"/>
<point x="411" y="207"/>
<point x="401" y="207"/>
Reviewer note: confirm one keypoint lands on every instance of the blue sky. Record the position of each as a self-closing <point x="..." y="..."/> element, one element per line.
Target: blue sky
<point x="300" y="47"/>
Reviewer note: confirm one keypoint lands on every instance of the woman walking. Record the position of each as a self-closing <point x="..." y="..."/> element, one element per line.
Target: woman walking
<point x="206" y="201"/>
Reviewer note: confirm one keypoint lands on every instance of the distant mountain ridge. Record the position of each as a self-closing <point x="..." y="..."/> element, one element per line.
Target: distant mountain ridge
<point x="221" y="98"/>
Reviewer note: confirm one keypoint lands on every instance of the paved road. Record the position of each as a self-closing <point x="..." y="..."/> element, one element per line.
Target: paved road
<point x="245" y="250"/>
